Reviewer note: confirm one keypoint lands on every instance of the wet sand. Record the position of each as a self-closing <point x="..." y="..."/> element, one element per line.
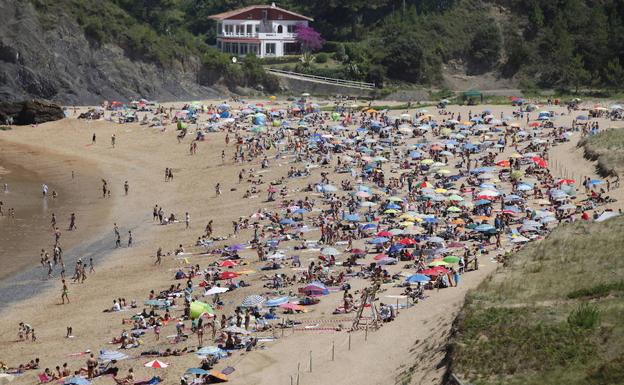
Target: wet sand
<point x="24" y="170"/>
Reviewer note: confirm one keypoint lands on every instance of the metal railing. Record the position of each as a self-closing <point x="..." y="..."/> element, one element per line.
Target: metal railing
<point x="342" y="82"/>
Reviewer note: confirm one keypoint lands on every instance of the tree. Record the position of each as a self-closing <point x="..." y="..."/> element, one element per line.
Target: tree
<point x="575" y="73"/>
<point x="402" y="55"/>
<point x="310" y="41"/>
<point x="485" y="46"/>
<point x="614" y="74"/>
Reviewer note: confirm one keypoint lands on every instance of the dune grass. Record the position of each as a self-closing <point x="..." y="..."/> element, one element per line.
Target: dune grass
<point x="607" y="148"/>
<point x="552" y="315"/>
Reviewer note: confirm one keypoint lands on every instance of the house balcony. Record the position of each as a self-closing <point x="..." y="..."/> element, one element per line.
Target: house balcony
<point x="261" y="35"/>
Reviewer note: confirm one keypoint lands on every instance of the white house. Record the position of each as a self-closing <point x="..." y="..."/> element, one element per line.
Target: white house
<point x="265" y="30"/>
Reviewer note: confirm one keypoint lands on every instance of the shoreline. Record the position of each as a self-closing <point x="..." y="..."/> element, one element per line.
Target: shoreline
<point x="26" y="169"/>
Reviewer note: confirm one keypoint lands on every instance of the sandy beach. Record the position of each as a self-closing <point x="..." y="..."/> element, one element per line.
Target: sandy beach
<point x="407" y="350"/>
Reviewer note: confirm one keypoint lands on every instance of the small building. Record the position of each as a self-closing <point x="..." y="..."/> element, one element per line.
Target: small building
<point x="265" y="30"/>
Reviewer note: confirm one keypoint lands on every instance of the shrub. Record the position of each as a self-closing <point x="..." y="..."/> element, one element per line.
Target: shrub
<point x="584" y="317"/>
<point x="322" y="58"/>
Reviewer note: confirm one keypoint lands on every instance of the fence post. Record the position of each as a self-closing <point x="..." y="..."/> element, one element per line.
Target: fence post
<point x="333" y="350"/>
<point x="310" y="361"/>
<point x="349" y="341"/>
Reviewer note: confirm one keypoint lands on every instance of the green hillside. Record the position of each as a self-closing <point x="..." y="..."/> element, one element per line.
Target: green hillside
<point x="551" y="315"/>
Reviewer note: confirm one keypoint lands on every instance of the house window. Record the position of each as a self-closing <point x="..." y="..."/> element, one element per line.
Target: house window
<point x="229" y="29"/>
<point x="280" y="29"/>
<point x="291" y="28"/>
<point x="240" y="29"/>
<point x="257" y="28"/>
<point x="270" y="48"/>
<point x="249" y="29"/>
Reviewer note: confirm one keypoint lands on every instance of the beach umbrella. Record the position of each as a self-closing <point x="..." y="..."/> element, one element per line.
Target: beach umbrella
<point x="454" y="209"/>
<point x="196" y="371"/>
<point x="438" y="263"/>
<point x="330" y="251"/>
<point x="236" y="247"/>
<point x="451" y="259"/>
<point x="380" y="257"/>
<point x="582" y="117"/>
<point x="198" y="309"/>
<point x="157" y="364"/>
<point x="435" y="240"/>
<point x="368" y="204"/>
<point x="418" y="278"/>
<point x="216" y="290"/>
<point x="228" y="263"/>
<point x="484" y="227"/>
<point x="455" y="198"/>
<point x="274" y="302"/>
<point x="253" y="300"/>
<point x="286" y="221"/>
<point x="315" y="288"/>
<point x="292" y="306"/>
<point x="228" y="275"/>
<point x="352" y="218"/>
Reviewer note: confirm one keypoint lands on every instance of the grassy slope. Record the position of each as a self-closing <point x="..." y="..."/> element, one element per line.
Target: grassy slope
<point x="552" y="315"/>
<point x="607" y="148"/>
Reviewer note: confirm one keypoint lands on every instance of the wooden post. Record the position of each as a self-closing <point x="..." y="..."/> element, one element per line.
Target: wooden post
<point x="310" y="361"/>
<point x="333" y="350"/>
<point x="397" y="311"/>
<point x="298" y="370"/>
<point x="366" y="332"/>
<point x="349" y="341"/>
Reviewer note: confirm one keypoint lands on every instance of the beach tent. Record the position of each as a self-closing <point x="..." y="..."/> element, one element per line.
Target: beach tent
<point x="198" y="309"/>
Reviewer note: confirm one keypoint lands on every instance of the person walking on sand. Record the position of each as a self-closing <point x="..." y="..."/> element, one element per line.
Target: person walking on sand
<point x="126" y="187"/>
<point x="72" y="222"/>
<point x="91" y="266"/>
<point x="129" y="238"/>
<point x="44" y="189"/>
<point x="158" y="256"/>
<point x="53" y="221"/>
<point x="64" y="293"/>
<point x="93" y="139"/>
<point x="187" y="219"/>
<point x="113" y="139"/>
<point x="218" y="189"/>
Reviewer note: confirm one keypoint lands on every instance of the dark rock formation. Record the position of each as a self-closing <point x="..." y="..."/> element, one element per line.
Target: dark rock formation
<point x="58" y="63"/>
<point x="30" y="112"/>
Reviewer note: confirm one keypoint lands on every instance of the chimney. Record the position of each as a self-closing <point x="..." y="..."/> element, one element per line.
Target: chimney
<point x="273" y="5"/>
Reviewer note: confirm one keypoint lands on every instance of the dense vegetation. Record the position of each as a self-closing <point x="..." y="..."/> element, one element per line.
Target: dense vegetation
<point x="552" y="315"/>
<point x="564" y="44"/>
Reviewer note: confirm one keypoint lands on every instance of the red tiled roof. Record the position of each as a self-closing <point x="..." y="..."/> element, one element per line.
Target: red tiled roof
<point x="231" y="14"/>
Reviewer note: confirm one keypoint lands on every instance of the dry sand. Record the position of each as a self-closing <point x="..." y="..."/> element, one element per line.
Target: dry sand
<point x="408" y="350"/>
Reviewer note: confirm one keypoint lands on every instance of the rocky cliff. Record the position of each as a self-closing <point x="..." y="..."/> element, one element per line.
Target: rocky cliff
<point x="59" y="63"/>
